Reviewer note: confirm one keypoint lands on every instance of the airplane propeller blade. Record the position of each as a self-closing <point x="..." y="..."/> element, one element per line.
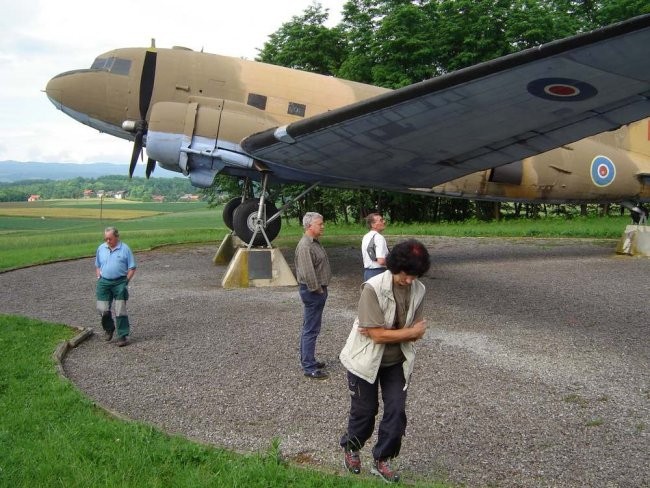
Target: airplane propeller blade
<point x="151" y="165"/>
<point x="146" y="82"/>
<point x="146" y="91"/>
<point x="137" y="149"/>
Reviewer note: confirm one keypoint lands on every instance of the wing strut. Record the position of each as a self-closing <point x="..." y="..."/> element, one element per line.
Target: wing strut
<point x="291" y="202"/>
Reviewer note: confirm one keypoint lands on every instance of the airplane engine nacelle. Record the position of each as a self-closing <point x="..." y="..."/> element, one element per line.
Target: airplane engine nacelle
<point x="200" y="140"/>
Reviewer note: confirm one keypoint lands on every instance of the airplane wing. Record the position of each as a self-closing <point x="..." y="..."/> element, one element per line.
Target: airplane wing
<point x="476" y="118"/>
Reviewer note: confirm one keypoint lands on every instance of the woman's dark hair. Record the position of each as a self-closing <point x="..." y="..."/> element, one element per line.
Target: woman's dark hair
<point x="409" y="256"/>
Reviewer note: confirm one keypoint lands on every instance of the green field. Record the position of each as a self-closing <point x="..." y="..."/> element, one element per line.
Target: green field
<point x="46" y="231"/>
<point x="64" y="229"/>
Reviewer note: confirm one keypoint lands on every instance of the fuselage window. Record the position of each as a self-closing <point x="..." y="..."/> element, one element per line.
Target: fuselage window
<point x="296" y="109"/>
<point x="257" y="101"/>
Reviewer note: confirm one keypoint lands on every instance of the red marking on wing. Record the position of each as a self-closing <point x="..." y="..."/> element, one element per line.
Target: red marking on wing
<point x="562" y="90"/>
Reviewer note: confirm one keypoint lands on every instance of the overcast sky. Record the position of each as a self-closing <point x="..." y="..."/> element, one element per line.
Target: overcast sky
<point x="39" y="39"/>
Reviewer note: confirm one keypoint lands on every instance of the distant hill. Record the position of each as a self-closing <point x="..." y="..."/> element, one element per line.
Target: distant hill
<point x="11" y="171"/>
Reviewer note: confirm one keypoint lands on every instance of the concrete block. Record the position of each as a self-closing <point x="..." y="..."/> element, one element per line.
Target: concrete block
<point x="635" y="241"/>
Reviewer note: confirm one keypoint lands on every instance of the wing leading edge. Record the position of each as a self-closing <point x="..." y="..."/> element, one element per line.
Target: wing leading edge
<point x="473" y="119"/>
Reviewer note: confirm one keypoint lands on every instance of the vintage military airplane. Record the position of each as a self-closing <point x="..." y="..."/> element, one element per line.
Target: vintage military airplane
<point x="503" y="130"/>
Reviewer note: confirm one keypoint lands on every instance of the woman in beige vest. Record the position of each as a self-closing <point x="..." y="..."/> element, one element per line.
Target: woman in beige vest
<point x="379" y="352"/>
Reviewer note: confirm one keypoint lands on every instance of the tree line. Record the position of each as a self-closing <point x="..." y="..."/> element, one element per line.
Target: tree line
<point x="394" y="43"/>
<point x="141" y="189"/>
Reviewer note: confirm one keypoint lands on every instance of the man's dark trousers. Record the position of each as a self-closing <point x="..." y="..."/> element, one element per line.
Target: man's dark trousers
<point x="314" y="303"/>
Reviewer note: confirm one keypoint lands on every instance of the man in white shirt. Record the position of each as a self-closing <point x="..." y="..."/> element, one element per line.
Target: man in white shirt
<point x="373" y="247"/>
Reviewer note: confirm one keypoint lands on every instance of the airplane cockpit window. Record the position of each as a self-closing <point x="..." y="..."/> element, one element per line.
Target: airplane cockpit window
<point x="99" y="63"/>
<point x="296" y="109"/>
<point x="118" y="66"/>
<point x="257" y="101"/>
<point x="121" y="66"/>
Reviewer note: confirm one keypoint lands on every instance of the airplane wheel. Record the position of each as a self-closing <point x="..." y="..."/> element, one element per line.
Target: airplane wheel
<point x="244" y="222"/>
<point x="229" y="210"/>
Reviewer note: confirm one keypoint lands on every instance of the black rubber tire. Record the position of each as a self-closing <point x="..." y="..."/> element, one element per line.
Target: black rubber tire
<point x="229" y="211"/>
<point x="244" y="218"/>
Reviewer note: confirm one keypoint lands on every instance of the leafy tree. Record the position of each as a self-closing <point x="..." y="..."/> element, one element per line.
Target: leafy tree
<point x="13" y="195"/>
<point x="136" y="188"/>
<point x="611" y="11"/>
<point x="403" y="47"/>
<point x="361" y="19"/>
<point x="472" y="31"/>
<point x="305" y="43"/>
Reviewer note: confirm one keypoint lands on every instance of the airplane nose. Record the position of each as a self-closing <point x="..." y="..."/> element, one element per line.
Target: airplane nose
<point x="81" y="94"/>
<point x="77" y="90"/>
<point x="54" y="91"/>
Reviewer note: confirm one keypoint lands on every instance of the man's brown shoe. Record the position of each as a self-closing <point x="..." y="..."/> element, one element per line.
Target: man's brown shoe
<point x="122" y="341"/>
<point x="382" y="468"/>
<point x="108" y="335"/>
<point x="352" y="461"/>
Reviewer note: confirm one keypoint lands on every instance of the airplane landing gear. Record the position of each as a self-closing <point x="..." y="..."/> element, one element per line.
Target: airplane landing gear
<point x="639" y="215"/>
<point x="253" y="228"/>
<point x="256" y="221"/>
<point x="638" y="212"/>
<point x="229" y="211"/>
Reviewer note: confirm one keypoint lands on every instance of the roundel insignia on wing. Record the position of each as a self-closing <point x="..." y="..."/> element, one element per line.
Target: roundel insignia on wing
<point x="561" y="89"/>
<point x="603" y="171"/>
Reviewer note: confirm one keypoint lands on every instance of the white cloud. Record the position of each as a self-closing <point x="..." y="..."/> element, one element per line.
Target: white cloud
<point x="39" y="39"/>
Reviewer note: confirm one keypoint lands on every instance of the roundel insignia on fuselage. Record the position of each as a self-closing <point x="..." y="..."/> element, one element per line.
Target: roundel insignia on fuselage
<point x="561" y="89"/>
<point x="603" y="171"/>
